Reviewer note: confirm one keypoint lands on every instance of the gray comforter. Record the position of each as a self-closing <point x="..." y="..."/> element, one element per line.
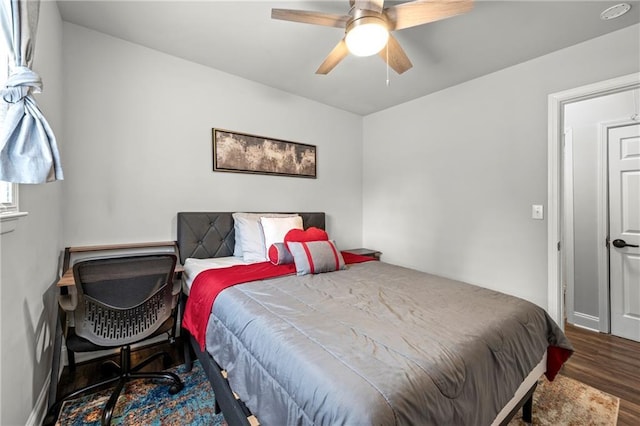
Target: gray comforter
<point x="376" y="344"/>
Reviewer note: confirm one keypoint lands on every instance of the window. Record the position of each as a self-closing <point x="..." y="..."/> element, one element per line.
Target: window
<point x="8" y="191"/>
<point x="8" y="197"/>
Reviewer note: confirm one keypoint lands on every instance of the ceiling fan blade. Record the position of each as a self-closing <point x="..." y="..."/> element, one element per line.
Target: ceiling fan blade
<point x="420" y="12"/>
<point x="375" y="5"/>
<point x="316" y="18"/>
<point x="398" y="60"/>
<point x="337" y="54"/>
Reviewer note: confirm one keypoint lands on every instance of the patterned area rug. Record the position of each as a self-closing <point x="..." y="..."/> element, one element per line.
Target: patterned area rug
<point x="562" y="402"/>
<point x="143" y="402"/>
<point x="568" y="402"/>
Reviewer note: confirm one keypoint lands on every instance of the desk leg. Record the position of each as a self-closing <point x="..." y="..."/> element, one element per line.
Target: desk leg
<point x="55" y="367"/>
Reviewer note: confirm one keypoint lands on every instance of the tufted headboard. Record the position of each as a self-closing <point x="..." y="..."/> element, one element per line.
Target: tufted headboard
<point x="210" y="234"/>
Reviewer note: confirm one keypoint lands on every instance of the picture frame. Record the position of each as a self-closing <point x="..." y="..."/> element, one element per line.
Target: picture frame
<point x="245" y="153"/>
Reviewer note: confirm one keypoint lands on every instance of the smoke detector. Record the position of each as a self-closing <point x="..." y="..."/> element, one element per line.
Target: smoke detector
<point x="615" y="11"/>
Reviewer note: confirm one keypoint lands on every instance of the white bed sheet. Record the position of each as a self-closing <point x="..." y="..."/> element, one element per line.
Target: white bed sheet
<point x="193" y="266"/>
<point x="533" y="377"/>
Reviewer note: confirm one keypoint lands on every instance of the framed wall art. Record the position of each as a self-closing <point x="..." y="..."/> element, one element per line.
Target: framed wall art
<point x="244" y="153"/>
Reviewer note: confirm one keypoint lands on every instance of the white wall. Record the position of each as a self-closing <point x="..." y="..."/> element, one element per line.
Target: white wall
<point x="449" y="179"/>
<point x="583" y="118"/>
<point x="29" y="256"/>
<point x="138" y="149"/>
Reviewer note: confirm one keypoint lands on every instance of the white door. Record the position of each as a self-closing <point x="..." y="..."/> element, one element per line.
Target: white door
<point x="624" y="229"/>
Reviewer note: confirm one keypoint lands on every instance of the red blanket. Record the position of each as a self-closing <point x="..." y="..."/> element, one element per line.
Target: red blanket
<point x="208" y="284"/>
<point x="556" y="356"/>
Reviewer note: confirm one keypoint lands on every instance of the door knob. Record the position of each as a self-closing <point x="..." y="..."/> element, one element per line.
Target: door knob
<point x="622" y="243"/>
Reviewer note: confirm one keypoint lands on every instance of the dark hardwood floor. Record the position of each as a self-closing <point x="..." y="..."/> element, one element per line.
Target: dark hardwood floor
<point x="608" y="363"/>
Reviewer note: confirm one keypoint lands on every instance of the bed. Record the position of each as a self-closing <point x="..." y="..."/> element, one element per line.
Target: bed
<point x="373" y="343"/>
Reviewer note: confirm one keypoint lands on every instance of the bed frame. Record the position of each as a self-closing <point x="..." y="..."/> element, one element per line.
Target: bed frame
<point x="211" y="234"/>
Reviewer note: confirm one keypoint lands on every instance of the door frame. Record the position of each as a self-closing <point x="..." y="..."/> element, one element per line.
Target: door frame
<point x="567" y="225"/>
<point x="555" y="240"/>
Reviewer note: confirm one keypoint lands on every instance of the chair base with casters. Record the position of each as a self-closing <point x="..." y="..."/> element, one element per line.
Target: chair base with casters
<point x="125" y="373"/>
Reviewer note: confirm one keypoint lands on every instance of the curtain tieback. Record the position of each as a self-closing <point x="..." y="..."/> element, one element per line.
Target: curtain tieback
<point x="20" y="84"/>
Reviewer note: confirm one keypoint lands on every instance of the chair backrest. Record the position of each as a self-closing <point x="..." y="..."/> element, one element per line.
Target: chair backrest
<point x="123" y="300"/>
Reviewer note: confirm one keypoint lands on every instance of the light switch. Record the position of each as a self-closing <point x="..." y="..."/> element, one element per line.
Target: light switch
<point x="537" y="211"/>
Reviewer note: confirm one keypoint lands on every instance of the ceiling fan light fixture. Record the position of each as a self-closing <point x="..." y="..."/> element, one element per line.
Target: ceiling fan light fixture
<point x="366" y="36"/>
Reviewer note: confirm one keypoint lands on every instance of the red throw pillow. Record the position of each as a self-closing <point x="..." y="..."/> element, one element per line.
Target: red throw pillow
<point x="310" y="234"/>
<point x="279" y="254"/>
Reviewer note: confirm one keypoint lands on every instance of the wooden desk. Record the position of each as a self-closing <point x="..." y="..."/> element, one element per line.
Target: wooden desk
<point x="68" y="279"/>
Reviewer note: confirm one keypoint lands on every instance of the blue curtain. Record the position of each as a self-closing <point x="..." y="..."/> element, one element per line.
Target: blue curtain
<point x="28" y="149"/>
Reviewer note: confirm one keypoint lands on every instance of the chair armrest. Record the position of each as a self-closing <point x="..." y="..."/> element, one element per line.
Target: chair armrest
<point x="177" y="286"/>
<point x="68" y="302"/>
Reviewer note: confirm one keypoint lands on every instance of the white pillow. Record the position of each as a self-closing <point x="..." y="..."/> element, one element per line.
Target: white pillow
<point x="249" y="242"/>
<point x="275" y="228"/>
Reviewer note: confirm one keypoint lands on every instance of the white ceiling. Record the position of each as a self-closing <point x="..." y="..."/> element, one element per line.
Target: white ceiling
<point x="239" y="37"/>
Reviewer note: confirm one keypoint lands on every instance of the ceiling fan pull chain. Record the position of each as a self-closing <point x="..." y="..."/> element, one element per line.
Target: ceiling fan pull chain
<point x="387" y="61"/>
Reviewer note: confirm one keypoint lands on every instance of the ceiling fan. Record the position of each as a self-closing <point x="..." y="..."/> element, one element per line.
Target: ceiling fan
<point x="369" y="24"/>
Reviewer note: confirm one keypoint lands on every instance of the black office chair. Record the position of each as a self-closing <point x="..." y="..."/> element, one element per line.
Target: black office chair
<point x="121" y="301"/>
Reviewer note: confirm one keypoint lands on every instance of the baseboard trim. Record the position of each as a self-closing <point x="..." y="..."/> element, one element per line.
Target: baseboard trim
<point x="586" y="321"/>
<point x="40" y="408"/>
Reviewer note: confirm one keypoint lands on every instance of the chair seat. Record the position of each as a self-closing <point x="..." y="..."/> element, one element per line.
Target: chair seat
<point x="76" y="343"/>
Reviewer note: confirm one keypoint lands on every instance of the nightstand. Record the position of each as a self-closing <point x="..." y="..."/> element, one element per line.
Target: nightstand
<point x="365" y="252"/>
